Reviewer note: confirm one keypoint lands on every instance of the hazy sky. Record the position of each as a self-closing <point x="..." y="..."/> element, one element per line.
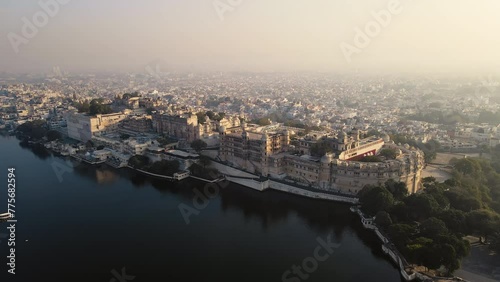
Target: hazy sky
<point x="257" y="35"/>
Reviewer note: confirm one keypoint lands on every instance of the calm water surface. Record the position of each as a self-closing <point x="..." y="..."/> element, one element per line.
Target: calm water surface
<point x="98" y="219"/>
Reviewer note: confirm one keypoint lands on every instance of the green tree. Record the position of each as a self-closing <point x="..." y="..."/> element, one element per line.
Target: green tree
<point x="418" y="250"/>
<point x="383" y="219"/>
<point x="467" y="166"/>
<point x="36" y="129"/>
<point x="421" y="206"/>
<point x="198" y="145"/>
<point x="462" y="200"/>
<point x="397" y="189"/>
<point x="320" y="148"/>
<point x="54" y="135"/>
<point x="400" y="234"/>
<point x="389" y="153"/>
<point x="139" y="162"/>
<point x="433" y="227"/>
<point x="124" y="136"/>
<point x="211" y="115"/>
<point x="495" y="242"/>
<point x="204" y="161"/>
<point x="376" y="199"/>
<point x="455" y="220"/>
<point x="262" y="121"/>
<point x="202" y="118"/>
<point x="448" y="257"/>
<point x="370" y="159"/>
<point x="164" y="167"/>
<point x="221" y="116"/>
<point x="483" y="222"/>
<point x="97" y="107"/>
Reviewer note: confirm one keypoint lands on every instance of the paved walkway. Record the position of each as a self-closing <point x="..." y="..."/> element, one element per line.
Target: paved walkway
<point x="480" y="265"/>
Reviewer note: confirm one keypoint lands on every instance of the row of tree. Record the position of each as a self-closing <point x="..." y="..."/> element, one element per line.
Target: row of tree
<point x="163" y="167"/>
<point x="202" y="116"/>
<point x="428" y="227"/>
<point x="38" y="129"/>
<point x="94" y="107"/>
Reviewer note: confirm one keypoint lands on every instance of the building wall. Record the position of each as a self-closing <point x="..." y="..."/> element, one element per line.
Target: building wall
<point x="79" y="127"/>
<point x="83" y="127"/>
<point x="181" y="127"/>
<point x="252" y="150"/>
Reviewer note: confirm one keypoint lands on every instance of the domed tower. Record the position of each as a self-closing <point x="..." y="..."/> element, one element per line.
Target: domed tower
<point x="345" y="138"/>
<point x="287" y="139"/>
<point x="325" y="171"/>
<point x="264" y="147"/>
<point x="386" y="138"/>
<point x="222" y="142"/>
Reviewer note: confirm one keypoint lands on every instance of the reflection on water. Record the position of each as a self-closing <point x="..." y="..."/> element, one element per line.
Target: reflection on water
<point x="105" y="176"/>
<point x="38" y="150"/>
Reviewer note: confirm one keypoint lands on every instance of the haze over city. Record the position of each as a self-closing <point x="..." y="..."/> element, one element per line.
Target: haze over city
<point x="284" y="35"/>
<point x="250" y="140"/>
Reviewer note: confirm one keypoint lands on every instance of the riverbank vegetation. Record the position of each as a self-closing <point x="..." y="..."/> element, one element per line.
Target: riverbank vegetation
<point x="428" y="227"/>
<point x="201" y="169"/>
<point x="94" y="107"/>
<point x="163" y="167"/>
<point x="38" y="130"/>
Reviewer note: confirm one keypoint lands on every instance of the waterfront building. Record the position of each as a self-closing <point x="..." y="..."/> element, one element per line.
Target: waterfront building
<point x="267" y="152"/>
<point x="252" y="148"/>
<point x="183" y="127"/>
<point x="137" y="146"/>
<point x="83" y="127"/>
<point x="187" y="128"/>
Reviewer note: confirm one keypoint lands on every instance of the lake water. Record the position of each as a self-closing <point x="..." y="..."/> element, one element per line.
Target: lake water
<point x="93" y="220"/>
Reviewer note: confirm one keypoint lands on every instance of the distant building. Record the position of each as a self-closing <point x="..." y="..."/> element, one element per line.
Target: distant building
<point x="252" y="148"/>
<point x="83" y="127"/>
<point x="137" y="146"/>
<point x="181" y="127"/>
<point x="137" y="124"/>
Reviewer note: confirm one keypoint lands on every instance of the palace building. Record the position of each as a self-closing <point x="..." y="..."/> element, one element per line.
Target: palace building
<point x="267" y="151"/>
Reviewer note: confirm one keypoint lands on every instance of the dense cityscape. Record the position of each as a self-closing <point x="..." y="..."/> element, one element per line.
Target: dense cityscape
<point x="278" y="131"/>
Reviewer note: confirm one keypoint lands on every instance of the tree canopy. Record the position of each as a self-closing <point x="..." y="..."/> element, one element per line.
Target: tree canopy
<point x="198" y="145"/>
<point x="428" y="227"/>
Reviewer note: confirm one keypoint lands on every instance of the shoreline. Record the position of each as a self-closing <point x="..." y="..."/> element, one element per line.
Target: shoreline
<point x="261" y="185"/>
<point x="407" y="270"/>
